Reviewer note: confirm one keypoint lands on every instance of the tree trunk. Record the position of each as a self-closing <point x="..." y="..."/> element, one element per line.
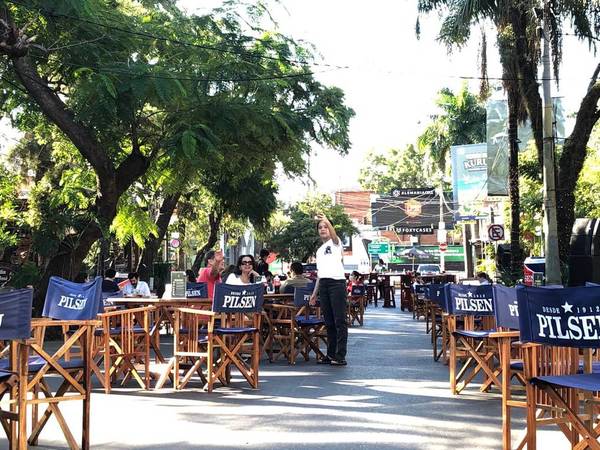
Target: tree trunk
<point x="516" y="258"/>
<point x="152" y="245"/>
<point x="526" y="71"/>
<point x="214" y="221"/>
<point x="570" y="165"/>
<point x="66" y="263"/>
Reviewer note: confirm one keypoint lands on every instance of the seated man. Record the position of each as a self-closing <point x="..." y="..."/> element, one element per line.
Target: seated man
<point x="109" y="285"/>
<point x="296" y="279"/>
<point x="136" y="288"/>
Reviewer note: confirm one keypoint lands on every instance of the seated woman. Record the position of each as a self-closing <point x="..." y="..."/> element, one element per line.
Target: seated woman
<point x="244" y="272"/>
<point x="356" y="279"/>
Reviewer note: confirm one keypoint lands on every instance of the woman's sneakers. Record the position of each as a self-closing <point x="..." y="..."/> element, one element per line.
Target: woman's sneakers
<point x="338" y="362"/>
<point x="332" y="361"/>
<point x="326" y="360"/>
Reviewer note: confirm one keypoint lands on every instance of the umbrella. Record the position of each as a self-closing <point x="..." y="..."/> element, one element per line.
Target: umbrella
<point x="413" y="253"/>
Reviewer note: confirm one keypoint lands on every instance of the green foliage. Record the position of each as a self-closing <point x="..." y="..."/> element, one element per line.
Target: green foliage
<point x="297" y="239"/>
<point x="395" y="169"/>
<point x="132" y="222"/>
<point x="461" y="121"/>
<point x="8" y="208"/>
<point x="26" y="275"/>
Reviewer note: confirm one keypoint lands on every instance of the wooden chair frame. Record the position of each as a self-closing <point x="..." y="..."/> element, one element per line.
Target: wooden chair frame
<point x="192" y="348"/>
<point x="283" y="331"/>
<point x="76" y="384"/>
<point x="14" y="421"/>
<point x="479" y="353"/>
<point x="311" y="333"/>
<point x="356" y="309"/>
<point x="121" y="343"/>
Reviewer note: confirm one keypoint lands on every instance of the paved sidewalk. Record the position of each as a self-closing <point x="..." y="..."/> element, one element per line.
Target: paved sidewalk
<point x="391" y="395"/>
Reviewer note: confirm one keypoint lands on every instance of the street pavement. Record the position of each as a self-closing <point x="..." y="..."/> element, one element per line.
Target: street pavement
<point x="391" y="395"/>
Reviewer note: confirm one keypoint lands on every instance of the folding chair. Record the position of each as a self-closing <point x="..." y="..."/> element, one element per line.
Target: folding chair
<point x="237" y="339"/>
<point x="310" y="324"/>
<point x="356" y="305"/>
<point x="122" y="344"/>
<point x="417" y="292"/>
<point x="436" y="293"/>
<point x="472" y="343"/>
<point x="283" y="333"/>
<point x="511" y="359"/>
<point x="192" y="348"/>
<point x="555" y="325"/>
<point x="72" y="306"/>
<point x="15" y="327"/>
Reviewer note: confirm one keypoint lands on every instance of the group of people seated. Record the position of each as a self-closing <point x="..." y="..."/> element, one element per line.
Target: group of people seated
<point x="248" y="271"/>
<point x="132" y="287"/>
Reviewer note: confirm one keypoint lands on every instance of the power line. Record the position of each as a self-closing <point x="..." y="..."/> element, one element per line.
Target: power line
<point x="151" y="36"/>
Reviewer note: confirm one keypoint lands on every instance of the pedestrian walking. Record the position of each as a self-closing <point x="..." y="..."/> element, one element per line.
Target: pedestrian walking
<point x="331" y="290"/>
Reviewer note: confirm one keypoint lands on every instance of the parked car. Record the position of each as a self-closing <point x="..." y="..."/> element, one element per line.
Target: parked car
<point x="429" y="269"/>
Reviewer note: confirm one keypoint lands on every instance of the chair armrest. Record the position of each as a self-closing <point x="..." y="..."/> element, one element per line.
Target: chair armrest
<point x="47" y="322"/>
<point x="198" y="312"/>
<point x="505" y="334"/>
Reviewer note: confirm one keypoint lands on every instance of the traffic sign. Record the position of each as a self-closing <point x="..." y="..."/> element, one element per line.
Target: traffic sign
<point x="443" y="247"/>
<point x="175" y="243"/>
<point x="496" y="232"/>
<point x="379" y="248"/>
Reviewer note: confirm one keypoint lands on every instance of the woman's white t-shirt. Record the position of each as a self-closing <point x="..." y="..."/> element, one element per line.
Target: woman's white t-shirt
<point x="329" y="261"/>
<point x="236" y="280"/>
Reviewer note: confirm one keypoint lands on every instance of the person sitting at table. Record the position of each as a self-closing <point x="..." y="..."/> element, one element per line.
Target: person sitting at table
<point x="380" y="266"/>
<point x="109" y="285"/>
<point x="136" y="288"/>
<point x="484" y="278"/>
<point x="356" y="279"/>
<point x="191" y="278"/>
<point x="211" y="274"/>
<point x="244" y="272"/>
<point x="296" y="279"/>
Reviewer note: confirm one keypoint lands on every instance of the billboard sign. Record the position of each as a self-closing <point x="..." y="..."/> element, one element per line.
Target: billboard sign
<point x="469" y="178"/>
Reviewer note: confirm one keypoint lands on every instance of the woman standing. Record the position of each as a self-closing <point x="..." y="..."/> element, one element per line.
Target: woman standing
<point x="244" y="272"/>
<point x="331" y="289"/>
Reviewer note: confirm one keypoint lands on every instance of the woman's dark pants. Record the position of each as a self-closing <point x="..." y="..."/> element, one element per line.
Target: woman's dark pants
<point x="332" y="296"/>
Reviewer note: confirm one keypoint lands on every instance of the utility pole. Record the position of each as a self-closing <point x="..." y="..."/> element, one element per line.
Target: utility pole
<point x="550" y="224"/>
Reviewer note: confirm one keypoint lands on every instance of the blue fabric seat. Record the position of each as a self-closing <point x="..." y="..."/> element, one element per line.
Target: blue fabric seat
<point x="517" y="364"/>
<point x="5" y="375"/>
<point x="37" y="362"/>
<point x="117" y="330"/>
<point x="239" y="330"/>
<point x="310" y="321"/>
<point x="474" y="334"/>
<point x="586" y="382"/>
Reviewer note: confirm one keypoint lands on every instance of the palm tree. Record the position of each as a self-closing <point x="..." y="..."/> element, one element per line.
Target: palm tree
<point x="517" y="23"/>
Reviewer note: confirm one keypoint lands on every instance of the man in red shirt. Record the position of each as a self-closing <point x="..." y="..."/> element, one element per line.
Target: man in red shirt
<point x="211" y="274"/>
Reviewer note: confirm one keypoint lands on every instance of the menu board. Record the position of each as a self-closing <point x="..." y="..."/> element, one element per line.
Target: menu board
<point x="178" y="284"/>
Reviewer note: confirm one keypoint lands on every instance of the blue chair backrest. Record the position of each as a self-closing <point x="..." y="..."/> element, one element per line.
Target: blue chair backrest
<point x="590" y="284"/>
<point x="568" y="317"/>
<point x="506" y="307"/>
<point x="230" y="298"/>
<point x="66" y="300"/>
<point x="196" y="290"/>
<point x="469" y="300"/>
<point x="15" y="314"/>
<point x="419" y="289"/>
<point x="302" y="296"/>
<point x="358" y="291"/>
<point x="437" y="294"/>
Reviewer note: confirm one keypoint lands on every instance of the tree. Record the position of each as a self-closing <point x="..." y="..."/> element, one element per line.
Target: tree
<point x="396" y="168"/>
<point x="298" y="240"/>
<point x="122" y="88"/>
<point x="517" y="25"/>
<point x="461" y="121"/>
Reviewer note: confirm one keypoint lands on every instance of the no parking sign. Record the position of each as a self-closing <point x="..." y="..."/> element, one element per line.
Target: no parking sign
<point x="496" y="232"/>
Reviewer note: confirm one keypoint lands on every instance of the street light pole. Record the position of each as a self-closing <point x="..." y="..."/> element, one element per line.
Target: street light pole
<point x="550" y="223"/>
